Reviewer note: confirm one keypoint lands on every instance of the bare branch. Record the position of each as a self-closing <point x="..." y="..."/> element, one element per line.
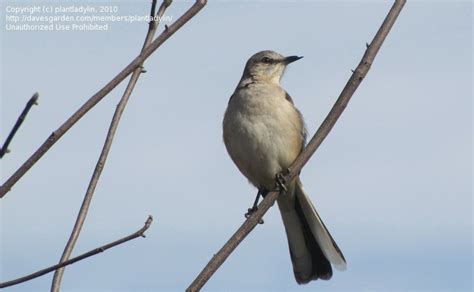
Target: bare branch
<point x="81" y="217"/>
<point x="312" y="146"/>
<point x="33" y="100"/>
<point x="56" y="135"/>
<point x="138" y="233"/>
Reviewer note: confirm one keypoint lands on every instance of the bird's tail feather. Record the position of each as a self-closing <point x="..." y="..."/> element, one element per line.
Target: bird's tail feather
<point x="312" y="248"/>
<point x="319" y="230"/>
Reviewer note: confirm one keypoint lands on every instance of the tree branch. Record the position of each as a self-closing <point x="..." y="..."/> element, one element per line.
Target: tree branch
<point x="56" y="135"/>
<point x="341" y="103"/>
<point x="138" y="233"/>
<point x="33" y="100"/>
<point x="153" y="25"/>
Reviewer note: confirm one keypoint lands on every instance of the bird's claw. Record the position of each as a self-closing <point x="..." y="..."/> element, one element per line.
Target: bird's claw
<point x="252" y="210"/>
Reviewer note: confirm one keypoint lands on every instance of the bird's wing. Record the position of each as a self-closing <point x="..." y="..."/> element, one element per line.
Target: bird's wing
<point x="304" y="132"/>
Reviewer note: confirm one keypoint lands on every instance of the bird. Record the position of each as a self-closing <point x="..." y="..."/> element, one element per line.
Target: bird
<point x="263" y="133"/>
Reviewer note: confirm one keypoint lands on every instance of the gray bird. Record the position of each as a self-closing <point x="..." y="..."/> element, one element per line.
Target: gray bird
<point x="263" y="134"/>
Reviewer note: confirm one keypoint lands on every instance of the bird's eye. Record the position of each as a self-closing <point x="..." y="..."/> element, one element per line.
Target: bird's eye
<point x="266" y="60"/>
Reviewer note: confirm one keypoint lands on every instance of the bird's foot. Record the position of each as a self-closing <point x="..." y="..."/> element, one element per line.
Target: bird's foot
<point x="252" y="210"/>
<point x="281" y="183"/>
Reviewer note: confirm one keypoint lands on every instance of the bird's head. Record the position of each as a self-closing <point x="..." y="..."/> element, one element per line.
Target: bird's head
<point x="267" y="66"/>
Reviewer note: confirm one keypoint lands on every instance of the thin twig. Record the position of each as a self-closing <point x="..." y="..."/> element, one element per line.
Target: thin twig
<point x="33" y="100"/>
<point x="56" y="135"/>
<point x="138" y="233"/>
<point x="107" y="145"/>
<point x="312" y="146"/>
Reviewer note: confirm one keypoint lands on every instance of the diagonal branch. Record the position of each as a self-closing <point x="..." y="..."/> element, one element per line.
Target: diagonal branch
<point x="56" y="135"/>
<point x="33" y="100"/>
<point x="138" y="233"/>
<point x="153" y="25"/>
<point x="341" y="103"/>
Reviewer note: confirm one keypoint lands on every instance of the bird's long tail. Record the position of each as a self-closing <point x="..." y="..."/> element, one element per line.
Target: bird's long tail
<point x="312" y="248"/>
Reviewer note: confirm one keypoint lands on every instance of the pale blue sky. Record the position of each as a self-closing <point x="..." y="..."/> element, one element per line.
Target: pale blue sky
<point x="393" y="180"/>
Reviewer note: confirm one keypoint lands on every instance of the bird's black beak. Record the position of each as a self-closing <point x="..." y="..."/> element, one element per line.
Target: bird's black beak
<point x="291" y="59"/>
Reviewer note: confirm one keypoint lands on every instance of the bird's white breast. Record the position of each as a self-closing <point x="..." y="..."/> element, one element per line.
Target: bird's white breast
<point x="262" y="132"/>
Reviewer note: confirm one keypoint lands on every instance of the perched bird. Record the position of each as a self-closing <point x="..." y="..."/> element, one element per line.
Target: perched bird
<point x="263" y="134"/>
